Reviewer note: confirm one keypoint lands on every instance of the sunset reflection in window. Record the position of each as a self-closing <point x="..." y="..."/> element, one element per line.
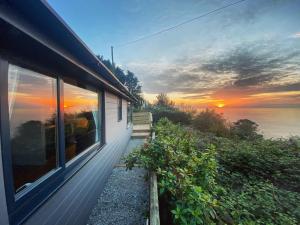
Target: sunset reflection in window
<point x="81" y="119"/>
<point x="32" y="117"/>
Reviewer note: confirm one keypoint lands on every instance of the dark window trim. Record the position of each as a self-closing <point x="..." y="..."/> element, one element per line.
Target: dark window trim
<point x="60" y="122"/>
<point x="103" y="117"/>
<point x="5" y="143"/>
<point x="23" y="204"/>
<point x="120" y="109"/>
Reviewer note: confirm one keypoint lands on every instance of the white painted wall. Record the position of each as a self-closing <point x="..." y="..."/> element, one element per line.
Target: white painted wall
<point x="113" y="126"/>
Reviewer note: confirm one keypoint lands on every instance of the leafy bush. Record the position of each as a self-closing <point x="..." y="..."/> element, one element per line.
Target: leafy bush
<point x="212" y="122"/>
<point x="261" y="179"/>
<point x="261" y="203"/>
<point x="186" y="176"/>
<point x="215" y="180"/>
<point x="165" y="108"/>
<point x="173" y="115"/>
<point x="277" y="161"/>
<point x="245" y="129"/>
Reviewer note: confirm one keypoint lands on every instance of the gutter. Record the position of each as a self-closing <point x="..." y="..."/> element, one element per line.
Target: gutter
<point x="19" y="21"/>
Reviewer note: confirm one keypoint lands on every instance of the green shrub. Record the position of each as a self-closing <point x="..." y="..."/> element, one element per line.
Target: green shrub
<point x="211" y="122"/>
<point x="277" y="161"/>
<point x="261" y="203"/>
<point x="165" y="108"/>
<point x="245" y="129"/>
<point x="215" y="180"/>
<point x="172" y="114"/>
<point x="185" y="175"/>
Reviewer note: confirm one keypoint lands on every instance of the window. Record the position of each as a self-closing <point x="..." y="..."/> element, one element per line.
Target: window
<point x="81" y="119"/>
<point x="129" y="113"/>
<point x="120" y="109"/>
<point x="32" y="118"/>
<point x="43" y="141"/>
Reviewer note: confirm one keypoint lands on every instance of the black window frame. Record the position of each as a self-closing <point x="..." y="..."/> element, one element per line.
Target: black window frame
<point x="129" y="114"/>
<point x="21" y="205"/>
<point x="120" y="109"/>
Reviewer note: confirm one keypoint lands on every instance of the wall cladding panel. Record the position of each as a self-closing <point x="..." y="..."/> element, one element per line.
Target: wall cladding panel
<point x="113" y="126"/>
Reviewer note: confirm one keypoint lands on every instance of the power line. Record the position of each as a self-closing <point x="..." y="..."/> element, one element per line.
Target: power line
<point x="179" y="24"/>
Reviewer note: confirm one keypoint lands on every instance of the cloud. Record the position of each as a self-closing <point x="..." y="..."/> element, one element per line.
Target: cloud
<point x="250" y="12"/>
<point x="296" y="35"/>
<point x="254" y="65"/>
<point x="276" y="94"/>
<point x="283" y="87"/>
<point x="238" y="75"/>
<point x="185" y="76"/>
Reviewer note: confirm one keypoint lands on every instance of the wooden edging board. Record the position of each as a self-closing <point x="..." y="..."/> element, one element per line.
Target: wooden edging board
<point x="154" y="206"/>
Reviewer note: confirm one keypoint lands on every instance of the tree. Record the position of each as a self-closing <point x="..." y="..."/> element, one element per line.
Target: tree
<point x="165" y="108"/>
<point x="127" y="79"/>
<point x="245" y="129"/>
<point x="117" y="71"/>
<point x="162" y="100"/>
<point x="212" y="122"/>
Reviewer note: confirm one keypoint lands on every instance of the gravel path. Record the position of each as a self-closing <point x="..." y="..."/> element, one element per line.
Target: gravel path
<point x="125" y="198"/>
<point x="133" y="143"/>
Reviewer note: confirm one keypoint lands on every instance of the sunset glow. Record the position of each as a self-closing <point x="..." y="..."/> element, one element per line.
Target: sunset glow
<point x="235" y="98"/>
<point x="220" y="105"/>
<point x="248" y="62"/>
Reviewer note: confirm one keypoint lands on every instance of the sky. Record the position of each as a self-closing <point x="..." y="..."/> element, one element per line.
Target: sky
<point x="247" y="55"/>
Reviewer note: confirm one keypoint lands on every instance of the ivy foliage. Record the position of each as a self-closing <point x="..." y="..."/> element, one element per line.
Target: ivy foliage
<point x="215" y="180"/>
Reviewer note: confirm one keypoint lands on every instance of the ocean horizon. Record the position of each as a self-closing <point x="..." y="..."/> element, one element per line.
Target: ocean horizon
<point x="273" y="122"/>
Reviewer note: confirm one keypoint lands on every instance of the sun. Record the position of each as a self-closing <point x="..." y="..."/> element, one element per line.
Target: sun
<point x="220" y="105"/>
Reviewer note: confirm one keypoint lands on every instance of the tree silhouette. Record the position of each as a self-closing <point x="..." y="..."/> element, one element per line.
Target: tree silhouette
<point x="162" y="100"/>
<point x="245" y="129"/>
<point x="129" y="80"/>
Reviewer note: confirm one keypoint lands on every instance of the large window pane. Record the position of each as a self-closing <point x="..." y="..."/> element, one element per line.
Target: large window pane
<point x="32" y="116"/>
<point x="81" y="119"/>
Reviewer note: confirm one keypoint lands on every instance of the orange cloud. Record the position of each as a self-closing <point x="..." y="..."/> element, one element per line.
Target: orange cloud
<point x="234" y="97"/>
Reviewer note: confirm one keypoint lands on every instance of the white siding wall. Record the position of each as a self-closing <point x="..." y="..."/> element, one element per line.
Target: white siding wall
<point x="113" y="126"/>
<point x="73" y="203"/>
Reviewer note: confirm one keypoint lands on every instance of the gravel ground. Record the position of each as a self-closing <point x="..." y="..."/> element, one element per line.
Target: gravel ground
<point x="125" y="198"/>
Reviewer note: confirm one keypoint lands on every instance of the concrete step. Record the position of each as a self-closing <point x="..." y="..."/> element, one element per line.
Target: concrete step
<point x="141" y="128"/>
<point x="141" y="117"/>
<point x="140" y="135"/>
<point x="141" y="122"/>
<point x="141" y="113"/>
<point x="141" y="131"/>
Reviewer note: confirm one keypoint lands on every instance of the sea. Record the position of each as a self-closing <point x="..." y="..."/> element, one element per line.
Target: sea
<point x="273" y="122"/>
